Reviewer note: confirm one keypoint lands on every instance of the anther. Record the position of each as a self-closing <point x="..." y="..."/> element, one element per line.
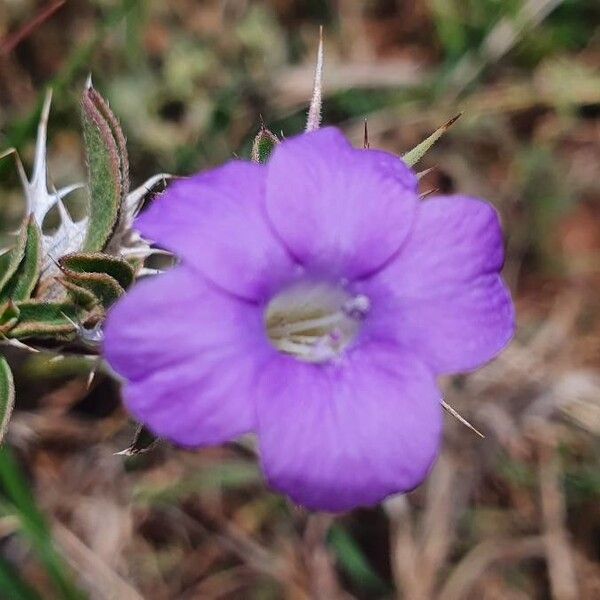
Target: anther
<point x="357" y="307"/>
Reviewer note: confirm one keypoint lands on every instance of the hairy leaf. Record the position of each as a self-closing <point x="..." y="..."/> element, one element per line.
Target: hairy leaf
<point x="264" y="144"/>
<point x="80" y="295"/>
<point x="104" y="287"/>
<point x="7" y="396"/>
<point x="22" y="283"/>
<point x="10" y="261"/>
<point x="9" y="316"/>
<point x="96" y="262"/>
<point x="108" y="168"/>
<point x="45" y="320"/>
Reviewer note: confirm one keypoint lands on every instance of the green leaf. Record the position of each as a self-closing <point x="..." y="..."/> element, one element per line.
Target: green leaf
<point x="412" y="157"/>
<point x="107" y="166"/>
<point x="104" y="287"/>
<point x="45" y="320"/>
<point x="264" y="144"/>
<point x="20" y="502"/>
<point x="9" y="316"/>
<point x="80" y="296"/>
<point x="11" y="580"/>
<point x="44" y="365"/>
<point x="7" y="396"/>
<point x="24" y="279"/>
<point x="96" y="262"/>
<point x="352" y="560"/>
<point x="10" y="261"/>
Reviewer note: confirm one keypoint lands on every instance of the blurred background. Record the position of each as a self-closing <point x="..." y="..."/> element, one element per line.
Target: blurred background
<point x="514" y="516"/>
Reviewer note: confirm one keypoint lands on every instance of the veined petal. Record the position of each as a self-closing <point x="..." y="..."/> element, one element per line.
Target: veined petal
<point x="339" y="209"/>
<point x="215" y="222"/>
<point x="340" y="435"/>
<point x="189" y="353"/>
<point x="443" y="296"/>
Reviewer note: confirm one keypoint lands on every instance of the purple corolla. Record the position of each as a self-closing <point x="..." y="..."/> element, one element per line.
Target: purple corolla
<point x="316" y="300"/>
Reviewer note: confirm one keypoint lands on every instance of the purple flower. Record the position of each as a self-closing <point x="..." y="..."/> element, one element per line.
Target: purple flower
<point x="316" y="301"/>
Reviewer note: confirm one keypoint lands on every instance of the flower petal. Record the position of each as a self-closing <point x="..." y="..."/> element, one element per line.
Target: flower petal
<point x="215" y="222"/>
<point x="189" y="353"/>
<point x="443" y="296"/>
<point x="337" y="436"/>
<point x="339" y="209"/>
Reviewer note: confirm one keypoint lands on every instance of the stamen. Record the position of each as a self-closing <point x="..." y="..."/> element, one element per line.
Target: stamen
<point x="307" y="325"/>
<point x="314" y="322"/>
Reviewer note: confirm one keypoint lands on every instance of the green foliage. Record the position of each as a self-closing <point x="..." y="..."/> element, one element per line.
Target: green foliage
<point x="264" y="144"/>
<point x="7" y="396"/>
<point x="10" y="261"/>
<point x="117" y="268"/>
<point x="353" y="561"/>
<point x="10" y="580"/>
<point x="9" y="315"/>
<point x="16" y="500"/>
<point x="105" y="289"/>
<point x="107" y="167"/>
<point x="45" y="320"/>
<point x="80" y="295"/>
<point x="22" y="283"/>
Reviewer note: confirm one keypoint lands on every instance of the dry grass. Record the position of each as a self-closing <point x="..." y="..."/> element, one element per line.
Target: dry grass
<point x="512" y="516"/>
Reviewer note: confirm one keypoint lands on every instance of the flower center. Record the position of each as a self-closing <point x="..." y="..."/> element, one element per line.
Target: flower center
<point x="314" y="322"/>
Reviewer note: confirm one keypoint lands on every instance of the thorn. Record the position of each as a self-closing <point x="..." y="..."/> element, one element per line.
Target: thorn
<point x="7" y="152"/>
<point x="145" y="271"/>
<point x="413" y="156"/>
<point x="65" y="217"/>
<point x="88" y="82"/>
<point x="448" y="408"/>
<point x="76" y="325"/>
<point x="18" y="344"/>
<point x="39" y="160"/>
<point x="90" y="378"/>
<point x="366" y="144"/>
<point x="64" y="192"/>
<point x="57" y="264"/>
<point x="140" y="444"/>
<point x="314" y="112"/>
<point x="429" y="192"/>
<point x="425" y="172"/>
<point x="46" y="107"/>
<point x="451" y="122"/>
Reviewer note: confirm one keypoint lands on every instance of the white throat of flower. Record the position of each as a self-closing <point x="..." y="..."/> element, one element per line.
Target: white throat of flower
<point x="314" y="322"/>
